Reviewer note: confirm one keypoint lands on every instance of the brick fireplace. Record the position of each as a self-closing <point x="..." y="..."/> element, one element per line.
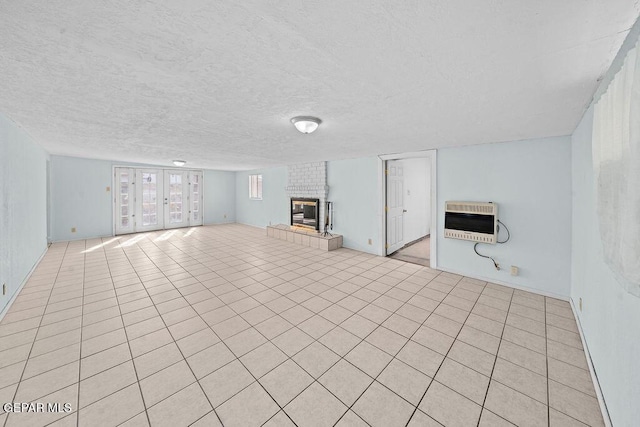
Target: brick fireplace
<point x="309" y="181"/>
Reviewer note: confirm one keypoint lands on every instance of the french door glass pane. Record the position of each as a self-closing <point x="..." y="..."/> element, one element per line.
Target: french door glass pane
<point x="149" y="199"/>
<point x="175" y="198"/>
<point x="124" y="199"/>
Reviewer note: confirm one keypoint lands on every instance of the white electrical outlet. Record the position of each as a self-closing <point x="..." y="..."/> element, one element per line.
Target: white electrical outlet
<point x="514" y="270"/>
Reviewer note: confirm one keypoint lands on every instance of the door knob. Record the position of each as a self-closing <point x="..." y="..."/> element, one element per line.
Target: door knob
<point x="404" y="210"/>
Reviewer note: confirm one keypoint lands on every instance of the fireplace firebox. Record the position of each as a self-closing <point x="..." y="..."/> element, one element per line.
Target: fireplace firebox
<point x="305" y="213"/>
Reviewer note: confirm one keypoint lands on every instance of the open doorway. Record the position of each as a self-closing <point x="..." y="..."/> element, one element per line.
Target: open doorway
<point x="409" y="207"/>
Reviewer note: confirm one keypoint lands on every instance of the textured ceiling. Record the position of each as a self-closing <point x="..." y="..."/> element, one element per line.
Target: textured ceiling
<point x="216" y="82"/>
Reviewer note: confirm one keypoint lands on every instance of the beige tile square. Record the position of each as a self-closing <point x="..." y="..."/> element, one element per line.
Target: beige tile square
<point x="103" y="342"/>
<point x="558" y="419"/>
<point x="182" y="408"/>
<point x="567" y="354"/>
<point x="379" y="406"/>
<point x="421" y="358"/>
<point x="525" y="339"/>
<point x="350" y="419"/>
<point x="486" y="325"/>
<point x="469" y="383"/>
<point x="316" y="326"/>
<point x="156" y="360"/>
<point x="368" y="358"/>
<point x="285" y="382"/>
<point x="345" y="381"/>
<point x="472" y="357"/>
<point x="448" y="407"/>
<point x="521" y="379"/>
<point x="576" y="404"/>
<point x="263" y="359"/>
<point x="479" y="339"/>
<point x="571" y="376"/>
<point x="245" y="341"/>
<point x="251" y="407"/>
<point x="401" y="325"/>
<point x="315" y="407"/>
<point x="128" y="401"/>
<point x="433" y="339"/>
<point x="55" y="359"/>
<point x="104" y="360"/>
<point x="46" y="383"/>
<point x="257" y="315"/>
<point x="340" y="341"/>
<point x="210" y="359"/>
<point x="196" y="342"/>
<point x="273" y="327"/>
<point x="150" y="342"/>
<point x="227" y="381"/>
<point x="489" y="419"/>
<point x="103" y="384"/>
<point x="387" y="340"/>
<point x="292" y="341"/>
<point x="514" y="406"/>
<point x="316" y="359"/>
<point x="405" y="381"/>
<point x="569" y="338"/>
<point x="420" y="419"/>
<point x="358" y="325"/>
<point x="163" y="384"/>
<point x="526" y="324"/>
<point x="524" y="357"/>
<point x="443" y="324"/>
<point x="230" y="327"/>
<point x="279" y="420"/>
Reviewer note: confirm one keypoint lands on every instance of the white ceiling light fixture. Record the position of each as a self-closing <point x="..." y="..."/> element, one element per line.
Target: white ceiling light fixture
<point x="179" y="162"/>
<point x="306" y="124"/>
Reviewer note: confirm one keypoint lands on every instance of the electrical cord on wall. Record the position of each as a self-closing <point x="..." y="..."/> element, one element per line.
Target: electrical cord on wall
<point x="475" y="247"/>
<point x="508" y="233"/>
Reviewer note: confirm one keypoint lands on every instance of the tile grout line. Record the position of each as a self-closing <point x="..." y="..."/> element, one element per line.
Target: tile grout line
<point x="495" y="361"/>
<point x="84" y="273"/>
<point x="128" y="344"/>
<point x="445" y="357"/>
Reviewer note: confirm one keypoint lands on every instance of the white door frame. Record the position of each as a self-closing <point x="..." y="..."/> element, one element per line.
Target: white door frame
<point x="136" y="166"/>
<point x="382" y="191"/>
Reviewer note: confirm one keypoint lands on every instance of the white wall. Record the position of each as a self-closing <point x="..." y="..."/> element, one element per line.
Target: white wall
<point x="531" y="182"/>
<point x="219" y="197"/>
<point x="23" y="206"/>
<point x="417" y="197"/>
<point x="354" y="191"/>
<point x="79" y="197"/>
<point x="274" y="206"/>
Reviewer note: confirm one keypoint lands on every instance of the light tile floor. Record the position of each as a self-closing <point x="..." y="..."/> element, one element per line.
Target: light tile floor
<point x="222" y="325"/>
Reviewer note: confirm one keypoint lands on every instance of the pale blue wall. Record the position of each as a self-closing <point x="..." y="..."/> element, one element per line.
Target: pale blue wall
<point x="610" y="316"/>
<point x="273" y="208"/>
<point x="79" y="198"/>
<point x="531" y="182"/>
<point x="23" y="201"/>
<point x="354" y="191"/>
<point x="219" y="197"/>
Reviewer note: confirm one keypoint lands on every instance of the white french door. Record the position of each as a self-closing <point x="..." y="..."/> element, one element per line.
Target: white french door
<point x="395" y="206"/>
<point x="155" y="199"/>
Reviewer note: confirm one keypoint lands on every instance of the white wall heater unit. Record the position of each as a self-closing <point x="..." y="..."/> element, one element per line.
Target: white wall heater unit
<point x="475" y="221"/>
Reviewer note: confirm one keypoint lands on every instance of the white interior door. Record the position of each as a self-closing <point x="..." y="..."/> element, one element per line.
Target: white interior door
<point x="124" y="194"/>
<point x="195" y="198"/>
<point x="149" y="213"/>
<point x="176" y="199"/>
<point x="395" y="206"/>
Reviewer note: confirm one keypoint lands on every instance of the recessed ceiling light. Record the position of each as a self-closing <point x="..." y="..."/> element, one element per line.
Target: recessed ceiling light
<point x="306" y="124"/>
<point x="179" y="162"/>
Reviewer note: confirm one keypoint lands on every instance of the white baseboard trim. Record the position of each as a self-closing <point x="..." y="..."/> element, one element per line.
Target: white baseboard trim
<point x="509" y="285"/>
<point x="592" y="370"/>
<point x="24" y="282"/>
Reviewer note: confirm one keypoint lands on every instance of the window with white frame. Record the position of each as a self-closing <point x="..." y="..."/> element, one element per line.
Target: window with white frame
<point x="255" y="187"/>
